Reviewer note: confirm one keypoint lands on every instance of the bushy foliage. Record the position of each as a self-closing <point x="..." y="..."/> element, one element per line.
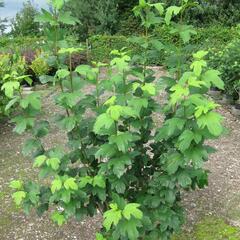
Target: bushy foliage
<point x="209" y="37"/>
<point x="20" y="44"/>
<point x="119" y="160"/>
<point x="104" y="16"/>
<point x="227" y="62"/>
<point x="224" y="12"/>
<point x="11" y="66"/>
<point x="102" y="45"/>
<point x="39" y="66"/>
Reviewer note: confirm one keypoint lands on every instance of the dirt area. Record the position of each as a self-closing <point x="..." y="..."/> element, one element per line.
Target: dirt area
<point x="220" y="200"/>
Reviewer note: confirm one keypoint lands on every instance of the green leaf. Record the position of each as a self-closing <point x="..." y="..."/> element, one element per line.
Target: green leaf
<point x="197" y="66"/>
<point x="56" y="185"/>
<point x="142" y="3"/>
<point x="184" y="180"/>
<point x="45" y="17"/>
<point x="179" y="93"/>
<point x="159" y="7"/>
<point x="115" y="112"/>
<point x="173" y="10"/>
<point x="100" y="237"/>
<point x="111" y="101"/>
<point x="103" y="121"/>
<point x="197" y="155"/>
<point x="174" y="161"/>
<point x="39" y="161"/>
<point x="16" y="184"/>
<point x="70" y="183"/>
<point x="203" y="107"/>
<point x="170" y="196"/>
<point x="83" y="69"/>
<point x="106" y="150"/>
<point x="138" y="104"/>
<point x="66" y="18"/>
<point x="159" y="46"/>
<point x="33" y="100"/>
<point x="31" y="146"/>
<point x="66" y="196"/>
<point x="53" y="163"/>
<point x="200" y="55"/>
<point x="58" y="218"/>
<point x="99" y="181"/>
<point x="58" y="4"/>
<point x="68" y="123"/>
<point x="22" y="123"/>
<point x="212" y="77"/>
<point x="212" y="121"/>
<point x="68" y="100"/>
<point x="84" y="181"/>
<point x="19" y="197"/>
<point x="128" y="228"/>
<point x="119" y="164"/>
<point x="41" y="129"/>
<point x="185" y="32"/>
<point x="186" y="138"/>
<point x="62" y="73"/>
<point x="88" y="72"/>
<point x="112" y="216"/>
<point x="121" y="63"/>
<point x="119" y="185"/>
<point x="46" y="79"/>
<point x="9" y="88"/>
<point x="149" y="88"/>
<point x="170" y="127"/>
<point x="131" y="209"/>
<point x="11" y="103"/>
<point x="122" y="140"/>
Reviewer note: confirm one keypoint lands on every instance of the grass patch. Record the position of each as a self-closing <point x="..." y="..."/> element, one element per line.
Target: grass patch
<point x="211" y="228"/>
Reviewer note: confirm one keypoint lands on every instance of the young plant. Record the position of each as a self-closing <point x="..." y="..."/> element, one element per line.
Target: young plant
<point x="119" y="160"/>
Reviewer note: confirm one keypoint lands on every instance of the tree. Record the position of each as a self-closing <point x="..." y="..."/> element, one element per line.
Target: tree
<point x="3" y="21"/>
<point x="23" y="23"/>
<point x="3" y="25"/>
<point x="96" y="16"/>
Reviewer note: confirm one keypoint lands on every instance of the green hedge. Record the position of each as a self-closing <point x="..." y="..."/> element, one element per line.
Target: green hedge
<point x="102" y="45"/>
<point x="15" y="43"/>
<point x="214" y="36"/>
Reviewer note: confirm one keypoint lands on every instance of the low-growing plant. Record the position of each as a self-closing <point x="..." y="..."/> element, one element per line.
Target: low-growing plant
<point x="11" y="67"/>
<point x="120" y="161"/>
<point x="39" y="66"/>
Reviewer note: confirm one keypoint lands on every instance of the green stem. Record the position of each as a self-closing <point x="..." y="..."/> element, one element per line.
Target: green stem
<point x="116" y="127"/>
<point x="71" y="72"/>
<point x="125" y="87"/>
<point x="145" y="54"/>
<point x="97" y="91"/>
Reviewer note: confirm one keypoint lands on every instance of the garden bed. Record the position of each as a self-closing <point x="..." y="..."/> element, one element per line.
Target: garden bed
<point x="219" y="201"/>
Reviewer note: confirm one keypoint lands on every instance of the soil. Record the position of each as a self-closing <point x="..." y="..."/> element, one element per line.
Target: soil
<point x="220" y="199"/>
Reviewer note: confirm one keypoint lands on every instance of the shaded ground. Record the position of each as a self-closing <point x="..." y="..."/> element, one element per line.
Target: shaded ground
<point x="221" y="200"/>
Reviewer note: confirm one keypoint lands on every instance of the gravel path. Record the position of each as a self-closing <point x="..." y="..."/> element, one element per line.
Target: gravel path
<point x="221" y="198"/>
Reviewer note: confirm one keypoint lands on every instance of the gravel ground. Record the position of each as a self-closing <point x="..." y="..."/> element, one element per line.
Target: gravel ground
<point x="221" y="198"/>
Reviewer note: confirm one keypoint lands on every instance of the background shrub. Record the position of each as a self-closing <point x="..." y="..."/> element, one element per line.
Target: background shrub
<point x="227" y="61"/>
<point x="10" y="65"/>
<point x="213" y="36"/>
<point x="39" y="66"/>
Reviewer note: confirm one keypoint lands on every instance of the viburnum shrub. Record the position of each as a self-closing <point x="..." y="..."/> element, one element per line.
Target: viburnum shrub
<point x="120" y="161"/>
